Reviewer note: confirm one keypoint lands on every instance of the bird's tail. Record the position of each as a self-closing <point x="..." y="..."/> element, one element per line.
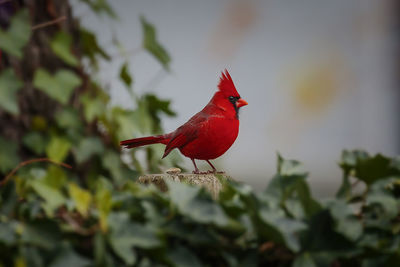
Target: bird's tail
<point x="142" y="141"/>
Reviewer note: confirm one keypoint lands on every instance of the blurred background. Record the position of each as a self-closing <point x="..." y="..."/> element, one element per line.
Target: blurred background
<point x="319" y="76"/>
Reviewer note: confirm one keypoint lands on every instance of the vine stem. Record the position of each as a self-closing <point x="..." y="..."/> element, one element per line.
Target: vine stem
<point x="27" y="162"/>
<point x="48" y="23"/>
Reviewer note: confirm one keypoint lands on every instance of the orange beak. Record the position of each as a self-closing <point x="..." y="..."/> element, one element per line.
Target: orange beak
<point x="241" y="102"/>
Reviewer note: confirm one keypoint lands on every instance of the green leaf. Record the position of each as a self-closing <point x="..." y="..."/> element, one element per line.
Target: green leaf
<point x="103" y="202"/>
<point x="42" y="233"/>
<point x="94" y="107"/>
<point x="290" y="167"/>
<point x="35" y="142"/>
<point x="61" y="46"/>
<point x="198" y="209"/>
<point x="304" y="260"/>
<point x="281" y="229"/>
<point x="7" y="233"/>
<point x="81" y="197"/>
<point x="59" y="86"/>
<point x="52" y="196"/>
<point x="346" y="223"/>
<point x="374" y="168"/>
<point x="9" y="86"/>
<point x="151" y="44"/>
<point x="16" y="37"/>
<point x="126" y="234"/>
<point x="101" y="7"/>
<point x="183" y="257"/>
<point x="345" y="188"/>
<point x="155" y="107"/>
<point x="67" y="257"/>
<point x="91" y="47"/>
<point x="125" y="76"/>
<point x="119" y="172"/>
<point x="366" y="168"/>
<point x="88" y="147"/>
<point x="55" y="177"/>
<point x="8" y="155"/>
<point x="58" y="148"/>
<point x="127" y="122"/>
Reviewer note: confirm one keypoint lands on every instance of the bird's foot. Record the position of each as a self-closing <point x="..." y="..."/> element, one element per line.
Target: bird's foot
<point x="199" y="172"/>
<point x="215" y="172"/>
<point x="196" y="171"/>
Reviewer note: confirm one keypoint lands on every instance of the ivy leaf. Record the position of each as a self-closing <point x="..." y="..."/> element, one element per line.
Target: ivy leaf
<point x="9" y="86"/>
<point x="103" y="202"/>
<point x="125" y="235"/>
<point x="93" y="106"/>
<point x="290" y="167"/>
<point x="59" y="86"/>
<point x="61" y="46"/>
<point x="125" y="76"/>
<point x="156" y="107"/>
<point x="42" y="233"/>
<point x="88" y="147"/>
<point x="151" y="44"/>
<point x="55" y="177"/>
<point x="7" y="233"/>
<point x="347" y="223"/>
<point x="58" y="149"/>
<point x="366" y="168"/>
<point x="35" y="142"/>
<point x="81" y="197"/>
<point x="280" y="228"/>
<point x="68" y="257"/>
<point x="304" y="260"/>
<point x="91" y="47"/>
<point x="16" y="37"/>
<point x="182" y="257"/>
<point x="198" y="209"/>
<point x="52" y="196"/>
<point x="8" y="155"/>
<point x="131" y="233"/>
<point x="68" y="118"/>
<point x="101" y="7"/>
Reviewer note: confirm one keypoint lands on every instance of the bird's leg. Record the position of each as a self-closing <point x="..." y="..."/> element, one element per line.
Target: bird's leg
<point x="214" y="170"/>
<point x="196" y="170"/>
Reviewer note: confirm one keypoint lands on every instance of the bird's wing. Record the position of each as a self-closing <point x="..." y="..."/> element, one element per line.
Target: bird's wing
<point x="186" y="133"/>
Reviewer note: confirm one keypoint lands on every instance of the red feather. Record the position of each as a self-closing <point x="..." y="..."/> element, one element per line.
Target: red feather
<point x="209" y="133"/>
<point x="226" y="85"/>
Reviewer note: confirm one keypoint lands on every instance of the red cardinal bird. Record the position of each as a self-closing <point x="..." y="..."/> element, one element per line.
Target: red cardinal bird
<point x="209" y="133"/>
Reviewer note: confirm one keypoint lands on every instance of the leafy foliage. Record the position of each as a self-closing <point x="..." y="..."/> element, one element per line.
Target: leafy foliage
<point x="60" y="86"/>
<point x="106" y="224"/>
<point x="9" y="85"/>
<point x="151" y="44"/>
<point x="16" y="37"/>
<point x="61" y="45"/>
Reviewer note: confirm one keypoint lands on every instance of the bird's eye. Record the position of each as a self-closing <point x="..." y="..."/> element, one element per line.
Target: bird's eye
<point x="231" y="98"/>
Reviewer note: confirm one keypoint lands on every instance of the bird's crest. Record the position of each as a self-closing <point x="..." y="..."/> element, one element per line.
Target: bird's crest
<point x="226" y="85"/>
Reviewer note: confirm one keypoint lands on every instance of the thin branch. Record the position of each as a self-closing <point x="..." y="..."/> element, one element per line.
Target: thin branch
<point x="48" y="23"/>
<point x="27" y="162"/>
